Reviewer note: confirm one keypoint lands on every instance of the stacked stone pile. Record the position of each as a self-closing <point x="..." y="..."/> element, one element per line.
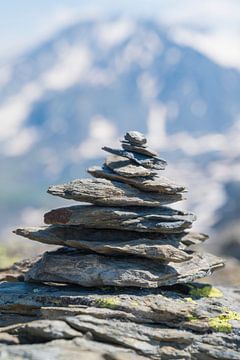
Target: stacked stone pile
<point x="127" y="236"/>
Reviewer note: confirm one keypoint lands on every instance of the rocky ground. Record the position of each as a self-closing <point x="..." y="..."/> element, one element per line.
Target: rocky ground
<point x="49" y="321"/>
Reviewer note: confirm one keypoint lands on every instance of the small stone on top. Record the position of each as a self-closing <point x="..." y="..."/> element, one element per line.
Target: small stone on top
<point x="135" y="138"/>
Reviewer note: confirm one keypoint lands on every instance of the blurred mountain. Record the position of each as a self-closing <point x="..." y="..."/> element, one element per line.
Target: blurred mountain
<point x="87" y="85"/>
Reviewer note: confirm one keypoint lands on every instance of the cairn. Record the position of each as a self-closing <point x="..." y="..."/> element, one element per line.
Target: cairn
<point x="127" y="237"/>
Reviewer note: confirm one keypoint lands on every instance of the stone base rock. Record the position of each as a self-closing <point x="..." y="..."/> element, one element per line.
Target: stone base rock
<point x="193" y="321"/>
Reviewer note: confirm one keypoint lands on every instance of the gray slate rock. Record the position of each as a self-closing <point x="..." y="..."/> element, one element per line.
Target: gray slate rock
<point x="91" y="270"/>
<point x="60" y="234"/>
<point x="160" y="220"/>
<point x="147" y="248"/>
<point x="110" y="193"/>
<point x="135" y="137"/>
<point x="46" y="330"/>
<point x="158" y="184"/>
<point x="186" y="306"/>
<point x="145" y="150"/>
<point x="140" y="159"/>
<point x="127" y="168"/>
<point x="76" y="349"/>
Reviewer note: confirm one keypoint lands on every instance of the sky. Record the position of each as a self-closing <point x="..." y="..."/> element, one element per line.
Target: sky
<point x="25" y="23"/>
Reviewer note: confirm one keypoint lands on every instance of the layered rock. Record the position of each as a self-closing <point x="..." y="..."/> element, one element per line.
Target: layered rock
<point x="126" y="237"/>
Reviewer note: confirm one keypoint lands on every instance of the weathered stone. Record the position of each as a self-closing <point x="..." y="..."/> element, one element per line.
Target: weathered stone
<point x="91" y="270"/>
<point x="158" y="184"/>
<point x="143" y="339"/>
<point x="160" y="220"/>
<point x="45" y="330"/>
<point x="78" y="348"/>
<point x="145" y="150"/>
<point x="199" y="307"/>
<point x="140" y="159"/>
<point x="135" y="137"/>
<point x="68" y="236"/>
<point x="59" y="234"/>
<point x="111" y="193"/>
<point x="127" y="168"/>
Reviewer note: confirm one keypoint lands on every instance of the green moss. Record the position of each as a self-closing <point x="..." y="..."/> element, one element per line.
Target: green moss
<point x="205" y="291"/>
<point x="110" y="303"/>
<point x="192" y="318"/>
<point x="189" y="299"/>
<point x="221" y="322"/>
<point x="134" y="303"/>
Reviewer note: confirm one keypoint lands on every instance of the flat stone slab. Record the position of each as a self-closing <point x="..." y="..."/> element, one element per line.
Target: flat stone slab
<point x="178" y="323"/>
<point x="158" y="184"/>
<point x="160" y="220"/>
<point x="68" y="236"/>
<point x="127" y="168"/>
<point x="110" y="193"/>
<point x="140" y="159"/>
<point x="145" y="150"/>
<point x="92" y="270"/>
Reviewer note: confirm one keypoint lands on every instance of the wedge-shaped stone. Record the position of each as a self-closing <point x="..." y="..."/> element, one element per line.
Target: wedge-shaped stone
<point x="160" y="220"/>
<point x="127" y="168"/>
<point x="111" y="193"/>
<point x="91" y="270"/>
<point x="147" y="248"/>
<point x="145" y="150"/>
<point x="158" y="184"/>
<point x="144" y="160"/>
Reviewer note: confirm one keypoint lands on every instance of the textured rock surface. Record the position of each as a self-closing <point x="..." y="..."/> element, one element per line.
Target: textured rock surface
<point x="144" y="160"/>
<point x="157" y="184"/>
<point x="111" y="193"/>
<point x="120" y="324"/>
<point x="143" y="247"/>
<point x="92" y="270"/>
<point x="127" y="168"/>
<point x="161" y="219"/>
